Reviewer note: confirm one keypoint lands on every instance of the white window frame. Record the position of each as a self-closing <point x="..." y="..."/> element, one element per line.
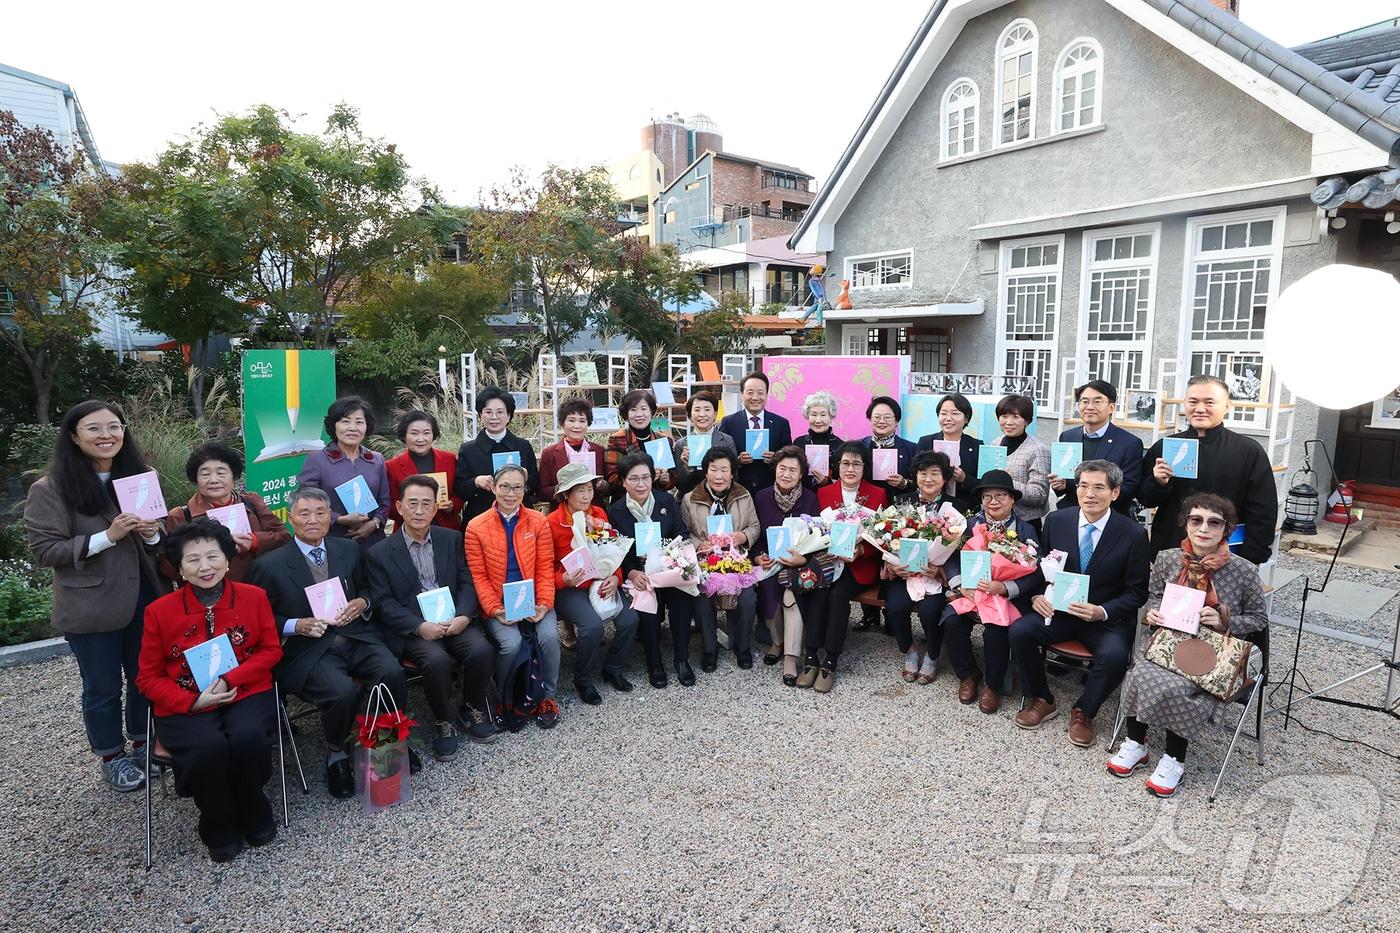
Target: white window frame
<point x="1061" y="73"/>
<point x="1255" y="419"/>
<point x="1089" y="266"/>
<point x="1003" y="52"/>
<point x="967" y="109"/>
<point x="1049" y="406"/>
<point x="866" y="257"/>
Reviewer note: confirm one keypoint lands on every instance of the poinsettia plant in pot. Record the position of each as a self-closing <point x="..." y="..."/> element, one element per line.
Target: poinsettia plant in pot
<point x="382" y="755"/>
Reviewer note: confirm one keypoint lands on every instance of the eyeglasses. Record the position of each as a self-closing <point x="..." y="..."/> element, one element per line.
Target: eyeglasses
<point x="995" y="495"/>
<point x="1213" y="523"/>
<point x="97" y="430"/>
<point x="510" y="488"/>
<point x="639" y="479"/>
<point x="1092" y="402"/>
<point x="852" y="464"/>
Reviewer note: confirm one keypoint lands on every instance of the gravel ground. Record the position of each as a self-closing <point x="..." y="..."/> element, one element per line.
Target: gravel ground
<point x="741" y="804"/>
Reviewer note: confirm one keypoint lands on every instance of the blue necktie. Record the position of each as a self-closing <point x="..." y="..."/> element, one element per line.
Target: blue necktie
<point x="319" y="556"/>
<point x="1086" y="548"/>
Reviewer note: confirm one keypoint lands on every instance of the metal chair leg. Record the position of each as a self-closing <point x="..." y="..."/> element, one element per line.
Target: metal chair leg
<point x="286" y="721"/>
<point x="150" y="740"/>
<point x="282" y="760"/>
<point x="1239" y="727"/>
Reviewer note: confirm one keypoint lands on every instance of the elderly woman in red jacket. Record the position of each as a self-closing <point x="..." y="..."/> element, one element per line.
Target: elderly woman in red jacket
<point x="419" y="430"/>
<point x="832" y="617"/>
<point x="221" y="736"/>
<point x="574" y="493"/>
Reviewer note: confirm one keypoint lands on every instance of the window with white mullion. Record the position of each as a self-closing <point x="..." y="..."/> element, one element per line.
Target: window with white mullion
<point x="1078" y="88"/>
<point x="1232" y="277"/>
<point x="889" y="271"/>
<point x="1016" y="57"/>
<point x="1118" y="290"/>
<point x="1030" y="295"/>
<point x="960" y="119"/>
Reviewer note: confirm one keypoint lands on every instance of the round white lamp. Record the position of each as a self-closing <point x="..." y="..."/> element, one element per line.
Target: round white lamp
<point x="1333" y="336"/>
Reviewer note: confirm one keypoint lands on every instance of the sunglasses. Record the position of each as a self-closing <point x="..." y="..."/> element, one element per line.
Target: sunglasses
<point x="1214" y="524"/>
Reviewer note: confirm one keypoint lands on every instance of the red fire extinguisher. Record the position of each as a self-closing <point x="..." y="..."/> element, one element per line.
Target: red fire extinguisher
<point x="1339" y="504"/>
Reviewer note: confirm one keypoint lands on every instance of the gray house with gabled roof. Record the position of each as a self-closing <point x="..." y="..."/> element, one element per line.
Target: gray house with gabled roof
<point x="1114" y="183"/>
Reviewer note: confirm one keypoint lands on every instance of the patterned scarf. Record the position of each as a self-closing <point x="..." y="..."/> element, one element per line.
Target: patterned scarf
<point x="882" y="442"/>
<point x="1199" y="572"/>
<point x="641" y="511"/>
<point x="787" y="501"/>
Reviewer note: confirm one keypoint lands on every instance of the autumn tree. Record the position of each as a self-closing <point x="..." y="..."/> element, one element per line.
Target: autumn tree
<point x="55" y="263"/>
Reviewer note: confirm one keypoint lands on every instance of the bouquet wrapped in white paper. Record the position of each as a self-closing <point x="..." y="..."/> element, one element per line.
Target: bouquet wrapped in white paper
<point x="608" y="547"/>
<point x="1051" y="564"/>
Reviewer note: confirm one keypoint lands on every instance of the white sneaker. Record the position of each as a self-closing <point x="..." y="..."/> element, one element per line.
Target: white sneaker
<point x="123" y="774"/>
<point x="1130" y="757"/>
<point x="911" y="663"/>
<point x="1167" y="776"/>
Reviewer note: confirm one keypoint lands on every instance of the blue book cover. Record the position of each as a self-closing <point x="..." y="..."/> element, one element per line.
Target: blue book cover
<point x="913" y="554"/>
<point x="499" y="460"/>
<point x="976" y="566"/>
<point x="779" y="541"/>
<point x="1064" y="457"/>
<point x="990" y="457"/>
<point x="696" y="446"/>
<point x="719" y="525"/>
<point x="437" y="605"/>
<point x="210" y="660"/>
<point x="756" y="442"/>
<point x="1183" y="455"/>
<point x="646" y="536"/>
<point x="356" y="497"/>
<point x="660" y="452"/>
<point x="1069" y="588"/>
<point x="519" y="598"/>
<point x="844" y="537"/>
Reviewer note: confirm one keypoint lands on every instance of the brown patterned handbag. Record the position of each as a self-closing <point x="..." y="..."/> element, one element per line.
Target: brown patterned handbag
<point x="1212" y="661"/>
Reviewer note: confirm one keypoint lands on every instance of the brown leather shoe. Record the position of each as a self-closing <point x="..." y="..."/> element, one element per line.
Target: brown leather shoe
<point x="988" y="701"/>
<point x="1032" y="716"/>
<point x="967" y="687"/>
<point x="1081" y="728"/>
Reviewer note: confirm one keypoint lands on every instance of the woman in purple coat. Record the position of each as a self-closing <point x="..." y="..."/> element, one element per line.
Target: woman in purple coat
<point x="349" y="421"/>
<point x="779" y="606"/>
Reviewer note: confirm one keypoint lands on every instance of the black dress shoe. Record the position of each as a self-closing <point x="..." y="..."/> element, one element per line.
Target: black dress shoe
<point x="709" y="663"/>
<point x="745" y="660"/>
<point x="415" y="764"/>
<point x="789" y="680"/>
<point x="769" y="658"/>
<point x="226" y="853"/>
<point x="658" y="678"/>
<point x="589" y="694"/>
<point x="340" y="780"/>
<point x="684" y="674"/>
<point x="618" y="682"/>
<point x="263" y="836"/>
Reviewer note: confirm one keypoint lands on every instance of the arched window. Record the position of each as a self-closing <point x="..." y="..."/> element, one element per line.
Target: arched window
<point x="1079" y="86"/>
<point x="960" y="119"/>
<point x="636" y="172"/>
<point x="1016" y="59"/>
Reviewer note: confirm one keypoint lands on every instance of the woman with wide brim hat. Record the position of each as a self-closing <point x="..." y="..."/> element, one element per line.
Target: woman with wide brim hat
<point x="574" y="492"/>
<point x="998" y="495"/>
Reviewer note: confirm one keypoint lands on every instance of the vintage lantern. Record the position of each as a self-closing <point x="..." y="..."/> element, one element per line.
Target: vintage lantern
<point x="1300" y="508"/>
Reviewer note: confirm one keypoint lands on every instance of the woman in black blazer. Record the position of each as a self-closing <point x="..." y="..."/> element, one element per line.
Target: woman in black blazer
<point x="954" y="415"/>
<point x="640" y="502"/>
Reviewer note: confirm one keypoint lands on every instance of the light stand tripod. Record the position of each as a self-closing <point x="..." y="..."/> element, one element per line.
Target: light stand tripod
<point x="1292" y="677"/>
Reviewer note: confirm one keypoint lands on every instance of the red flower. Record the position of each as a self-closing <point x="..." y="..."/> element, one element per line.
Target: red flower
<point x="713" y="559"/>
<point x="383" y="729"/>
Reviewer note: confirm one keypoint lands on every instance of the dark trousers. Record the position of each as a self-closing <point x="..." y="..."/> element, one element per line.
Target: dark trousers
<point x="830" y="617"/>
<point x="1111" y="645"/>
<point x="899" y="610"/>
<point x="434" y="660"/>
<point x="1136" y="730"/>
<point x="574" y="604"/>
<point x="996" y="649"/>
<point x="680" y="608"/>
<point x="223" y="757"/>
<point x="103" y="658"/>
<point x="331" y="687"/>
<point x="740" y="622"/>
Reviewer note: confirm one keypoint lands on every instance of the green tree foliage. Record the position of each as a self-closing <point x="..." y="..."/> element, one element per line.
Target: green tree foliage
<point x="644" y="289"/>
<point x="54" y="261"/>
<point x="251" y="213"/>
<point x="710" y="334"/>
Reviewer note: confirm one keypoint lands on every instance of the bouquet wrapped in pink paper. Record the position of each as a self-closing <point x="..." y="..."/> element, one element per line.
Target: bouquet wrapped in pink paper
<point x="607" y="547"/>
<point x="670" y="563"/>
<point x="1012" y="559"/>
<point x="726" y="572"/>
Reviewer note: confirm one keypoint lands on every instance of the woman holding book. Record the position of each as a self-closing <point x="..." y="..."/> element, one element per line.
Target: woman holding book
<point x="702" y="412"/>
<point x="954" y="415"/>
<point x="572" y="582"/>
<point x="637" y="408"/>
<point x="1027" y="459"/>
<point x="206" y="665"/>
<point x="350" y="473"/>
<point x="215" y="470"/>
<point x="819" y="410"/>
<point x="104" y="575"/>
<point x="575" y="418"/>
<point x="780" y="603"/>
<point x="644" y="503"/>
<point x="1234" y="605"/>
<point x="932" y="471"/>
<point x="419" y="431"/>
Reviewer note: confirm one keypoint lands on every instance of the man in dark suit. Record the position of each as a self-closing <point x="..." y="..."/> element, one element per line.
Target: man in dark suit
<point x="421" y="558"/>
<point x="1232" y="466"/>
<point x="1112" y="550"/>
<point x="1103" y="440"/>
<point x="321" y="657"/>
<point x="755" y="474"/>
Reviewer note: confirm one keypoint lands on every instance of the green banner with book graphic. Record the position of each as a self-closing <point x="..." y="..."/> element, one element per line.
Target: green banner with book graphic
<point x="285" y="397"/>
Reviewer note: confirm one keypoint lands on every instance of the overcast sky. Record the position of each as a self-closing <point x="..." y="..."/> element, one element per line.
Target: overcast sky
<point x="468" y="89"/>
